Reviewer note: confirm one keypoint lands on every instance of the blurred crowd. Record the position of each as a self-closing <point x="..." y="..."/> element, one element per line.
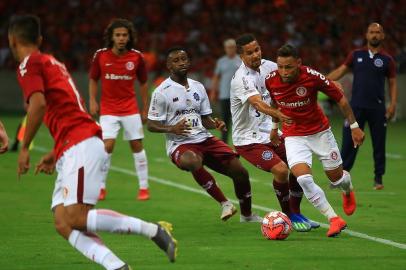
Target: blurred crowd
<point x="325" y="31"/>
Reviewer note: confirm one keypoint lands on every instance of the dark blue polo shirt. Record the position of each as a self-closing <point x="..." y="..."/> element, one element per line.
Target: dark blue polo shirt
<point x="370" y="72"/>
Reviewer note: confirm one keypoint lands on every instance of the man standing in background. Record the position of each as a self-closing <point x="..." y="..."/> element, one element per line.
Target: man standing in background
<point x="371" y="65"/>
<point x="226" y="66"/>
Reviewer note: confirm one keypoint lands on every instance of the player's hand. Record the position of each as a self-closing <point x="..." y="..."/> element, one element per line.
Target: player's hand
<point x="144" y="115"/>
<point x="3" y="140"/>
<point x="23" y="162"/>
<point x="358" y="136"/>
<point x="181" y="128"/>
<point x="275" y="140"/>
<point x="220" y="125"/>
<point x="390" y="111"/>
<point x="94" y="108"/>
<point x="46" y="164"/>
<point x="284" y="118"/>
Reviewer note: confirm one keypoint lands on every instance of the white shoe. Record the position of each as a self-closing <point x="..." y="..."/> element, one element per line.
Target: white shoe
<point x="252" y="218"/>
<point x="228" y="210"/>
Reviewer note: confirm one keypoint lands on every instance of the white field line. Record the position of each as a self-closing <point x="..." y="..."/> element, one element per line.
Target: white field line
<point x="255" y="206"/>
<point x="394" y="156"/>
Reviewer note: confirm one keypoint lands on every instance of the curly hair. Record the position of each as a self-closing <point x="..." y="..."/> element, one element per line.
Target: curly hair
<point x="117" y="23"/>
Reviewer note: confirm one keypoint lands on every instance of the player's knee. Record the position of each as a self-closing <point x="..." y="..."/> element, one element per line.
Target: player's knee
<point x="281" y="172"/>
<point x="190" y="162"/>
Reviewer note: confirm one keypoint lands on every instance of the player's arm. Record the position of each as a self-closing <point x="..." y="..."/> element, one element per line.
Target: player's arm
<point x="259" y="105"/>
<point x="274" y="136"/>
<point x="209" y="123"/>
<point x="214" y="88"/>
<point x="338" y="73"/>
<point x="393" y="95"/>
<point x="93" y="104"/>
<point x="3" y="139"/>
<point x="144" y="100"/>
<point x="35" y="115"/>
<point x="357" y="134"/>
<point x="181" y="128"/>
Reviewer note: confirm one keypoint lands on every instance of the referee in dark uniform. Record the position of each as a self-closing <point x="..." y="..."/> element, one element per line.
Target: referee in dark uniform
<point x="371" y="66"/>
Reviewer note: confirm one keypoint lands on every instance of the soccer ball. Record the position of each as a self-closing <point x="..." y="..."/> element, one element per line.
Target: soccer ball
<point x="276" y="226"/>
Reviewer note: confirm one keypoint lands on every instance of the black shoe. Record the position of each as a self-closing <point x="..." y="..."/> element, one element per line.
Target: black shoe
<point x="125" y="267"/>
<point x="165" y="240"/>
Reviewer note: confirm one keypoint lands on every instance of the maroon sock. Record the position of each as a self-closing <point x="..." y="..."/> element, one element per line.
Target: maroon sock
<point x="243" y="193"/>
<point x="296" y="194"/>
<point x="206" y="181"/>
<point x="282" y="193"/>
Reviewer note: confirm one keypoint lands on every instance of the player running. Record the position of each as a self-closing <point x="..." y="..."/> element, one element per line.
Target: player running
<point x="293" y="89"/>
<point x="180" y="108"/>
<point x="117" y="67"/>
<point x="250" y="107"/>
<point x="78" y="153"/>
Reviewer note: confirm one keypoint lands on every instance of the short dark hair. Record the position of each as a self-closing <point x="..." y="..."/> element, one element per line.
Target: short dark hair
<point x="27" y="28"/>
<point x="288" y="50"/>
<point x="117" y="23"/>
<point x="244" y="40"/>
<point x="175" y="49"/>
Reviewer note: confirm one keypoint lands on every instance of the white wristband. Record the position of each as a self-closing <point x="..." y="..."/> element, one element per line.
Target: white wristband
<point x="275" y="125"/>
<point x="354" y="125"/>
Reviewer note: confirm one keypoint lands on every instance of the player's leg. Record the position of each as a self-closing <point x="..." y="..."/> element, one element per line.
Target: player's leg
<point x="189" y="158"/>
<point x="110" y="127"/>
<point x="134" y="133"/>
<point x="348" y="152"/>
<point x="377" y="125"/>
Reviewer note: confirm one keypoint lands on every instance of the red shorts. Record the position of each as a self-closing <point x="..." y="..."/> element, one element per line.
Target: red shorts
<point x="215" y="153"/>
<point x="263" y="156"/>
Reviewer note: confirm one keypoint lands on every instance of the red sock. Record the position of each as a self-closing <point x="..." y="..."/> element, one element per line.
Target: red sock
<point x="296" y="194"/>
<point x="282" y="193"/>
<point x="206" y="181"/>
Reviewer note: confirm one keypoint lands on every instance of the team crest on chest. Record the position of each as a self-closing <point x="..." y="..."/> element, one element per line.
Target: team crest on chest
<point x="301" y="91"/>
<point x="267" y="155"/>
<point x="196" y="96"/>
<point x="378" y="62"/>
<point x="129" y="65"/>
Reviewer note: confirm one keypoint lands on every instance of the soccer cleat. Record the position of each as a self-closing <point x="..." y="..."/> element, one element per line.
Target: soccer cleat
<point x="251" y="218"/>
<point x="125" y="267"/>
<point x="102" y="194"/>
<point x="299" y="224"/>
<point x="378" y="186"/>
<point x="349" y="203"/>
<point x="143" y="194"/>
<point x="312" y="223"/>
<point x="337" y="224"/>
<point x="165" y="240"/>
<point x="228" y="210"/>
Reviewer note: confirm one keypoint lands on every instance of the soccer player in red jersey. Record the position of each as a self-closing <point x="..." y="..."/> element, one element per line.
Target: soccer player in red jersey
<point x="117" y="67"/>
<point x="3" y="139"/>
<point x="293" y="89"/>
<point x="78" y="154"/>
<point x="180" y="108"/>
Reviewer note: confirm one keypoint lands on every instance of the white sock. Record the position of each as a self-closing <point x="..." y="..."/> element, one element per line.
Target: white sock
<point x="92" y="247"/>
<point x="110" y="221"/>
<point x="344" y="183"/>
<point x="316" y="195"/>
<point x="106" y="169"/>
<point x="141" y="168"/>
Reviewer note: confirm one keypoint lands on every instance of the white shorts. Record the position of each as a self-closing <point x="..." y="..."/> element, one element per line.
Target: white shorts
<point x="81" y="171"/>
<point x="299" y="149"/>
<point x="132" y="125"/>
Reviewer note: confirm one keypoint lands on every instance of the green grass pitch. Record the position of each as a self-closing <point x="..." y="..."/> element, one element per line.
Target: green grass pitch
<point x="28" y="239"/>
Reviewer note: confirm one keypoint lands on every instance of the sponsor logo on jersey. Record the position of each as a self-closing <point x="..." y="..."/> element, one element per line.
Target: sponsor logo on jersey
<point x="267" y="155"/>
<point x="129" y="65"/>
<point x="111" y="76"/>
<point x="334" y="155"/>
<point x="296" y="104"/>
<point x="301" y="91"/>
<point x="378" y="62"/>
<point x="196" y="96"/>
<point x="186" y="111"/>
<point x="175" y="99"/>
<point x="318" y="74"/>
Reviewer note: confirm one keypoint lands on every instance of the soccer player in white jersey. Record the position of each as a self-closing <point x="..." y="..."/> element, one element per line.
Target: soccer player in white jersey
<point x="251" y="110"/>
<point x="293" y="89"/>
<point x="180" y="108"/>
